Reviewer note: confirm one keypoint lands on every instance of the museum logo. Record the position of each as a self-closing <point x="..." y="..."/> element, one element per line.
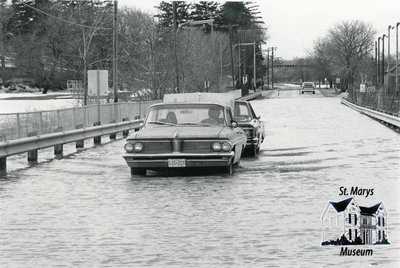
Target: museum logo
<point x="345" y="223"/>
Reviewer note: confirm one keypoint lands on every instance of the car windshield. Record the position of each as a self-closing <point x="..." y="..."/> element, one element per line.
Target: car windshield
<point x="186" y="114"/>
<point x="242" y="112"/>
<point x="308" y="84"/>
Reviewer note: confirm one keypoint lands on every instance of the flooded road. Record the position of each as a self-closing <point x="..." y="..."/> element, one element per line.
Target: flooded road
<point x="87" y="211"/>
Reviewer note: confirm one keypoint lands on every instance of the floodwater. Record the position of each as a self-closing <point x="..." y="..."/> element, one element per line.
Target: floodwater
<point x="86" y="210"/>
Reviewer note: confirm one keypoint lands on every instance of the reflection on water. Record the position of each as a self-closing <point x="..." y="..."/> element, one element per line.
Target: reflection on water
<point x="87" y="210"/>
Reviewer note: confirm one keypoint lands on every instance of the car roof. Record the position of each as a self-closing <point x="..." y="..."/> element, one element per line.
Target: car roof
<point x="223" y="99"/>
<point x="189" y="103"/>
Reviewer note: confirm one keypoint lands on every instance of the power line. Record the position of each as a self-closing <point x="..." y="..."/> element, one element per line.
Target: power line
<point x="70" y="22"/>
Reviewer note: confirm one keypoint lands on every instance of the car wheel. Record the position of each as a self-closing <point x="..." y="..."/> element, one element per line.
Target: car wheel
<point x="138" y="171"/>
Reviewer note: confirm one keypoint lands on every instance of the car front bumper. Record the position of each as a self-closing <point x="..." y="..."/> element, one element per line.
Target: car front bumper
<point x="191" y="160"/>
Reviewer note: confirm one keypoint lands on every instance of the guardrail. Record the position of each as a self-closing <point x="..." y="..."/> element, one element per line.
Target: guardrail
<point x="20" y="125"/>
<point x="383" y="117"/>
<point x="43" y="129"/>
<point x="58" y="139"/>
<point x="252" y="96"/>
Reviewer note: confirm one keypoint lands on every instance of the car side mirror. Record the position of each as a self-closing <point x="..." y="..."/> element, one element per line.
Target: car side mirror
<point x="141" y="125"/>
<point x="258" y="117"/>
<point x="234" y="124"/>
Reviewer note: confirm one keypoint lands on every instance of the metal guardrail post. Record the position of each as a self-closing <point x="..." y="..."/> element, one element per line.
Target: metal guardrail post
<point x="79" y="143"/>
<point x="126" y="132"/>
<point x="113" y="136"/>
<point x="97" y="140"/>
<point x="3" y="165"/>
<point x="32" y="155"/>
<point x="58" y="149"/>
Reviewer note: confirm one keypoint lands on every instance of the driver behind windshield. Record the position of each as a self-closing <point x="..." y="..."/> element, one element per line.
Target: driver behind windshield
<point x="213" y="117"/>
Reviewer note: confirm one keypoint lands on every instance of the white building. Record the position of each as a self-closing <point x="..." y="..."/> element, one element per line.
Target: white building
<point x="347" y="218"/>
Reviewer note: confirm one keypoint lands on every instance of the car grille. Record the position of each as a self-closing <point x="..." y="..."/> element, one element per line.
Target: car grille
<point x="196" y="146"/>
<point x="183" y="146"/>
<point x="151" y="147"/>
<point x="248" y="132"/>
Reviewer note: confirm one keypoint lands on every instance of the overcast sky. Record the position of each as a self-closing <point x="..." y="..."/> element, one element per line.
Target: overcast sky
<point x="294" y="25"/>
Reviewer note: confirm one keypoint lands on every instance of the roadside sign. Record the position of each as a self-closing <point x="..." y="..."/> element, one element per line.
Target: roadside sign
<point x="362" y="87"/>
<point x="98" y="82"/>
<point x="337" y="80"/>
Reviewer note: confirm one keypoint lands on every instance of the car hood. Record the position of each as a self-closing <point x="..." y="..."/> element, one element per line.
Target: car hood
<point x="181" y="132"/>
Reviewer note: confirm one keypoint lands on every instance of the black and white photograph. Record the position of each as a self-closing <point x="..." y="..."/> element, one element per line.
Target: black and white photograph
<point x="261" y="133"/>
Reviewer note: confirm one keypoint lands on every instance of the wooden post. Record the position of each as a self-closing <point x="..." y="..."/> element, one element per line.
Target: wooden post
<point x="126" y="132"/>
<point x="32" y="155"/>
<point x="58" y="149"/>
<point x="97" y="140"/>
<point x="80" y="143"/>
<point x="3" y="165"/>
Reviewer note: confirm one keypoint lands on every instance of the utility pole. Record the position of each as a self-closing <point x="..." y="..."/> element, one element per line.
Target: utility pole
<point x="254" y="71"/>
<point x="240" y="66"/>
<point x="175" y="22"/>
<point x="376" y="63"/>
<point x="397" y="58"/>
<point x="272" y="69"/>
<point x="230" y="46"/>
<point x="115" y="58"/>
<point x="268" y="67"/>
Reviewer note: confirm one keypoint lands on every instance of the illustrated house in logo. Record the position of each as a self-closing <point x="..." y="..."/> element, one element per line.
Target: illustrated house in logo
<point x="347" y="218"/>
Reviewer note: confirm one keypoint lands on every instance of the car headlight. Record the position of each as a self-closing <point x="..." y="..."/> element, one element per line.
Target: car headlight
<point x="128" y="147"/>
<point x="138" y="147"/>
<point x="216" y="146"/>
<point x="226" y="146"/>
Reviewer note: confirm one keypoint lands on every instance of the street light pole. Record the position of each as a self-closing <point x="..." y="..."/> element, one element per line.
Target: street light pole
<point x="378" y="69"/>
<point x="397" y="56"/>
<point x="390" y="27"/>
<point x="383" y="59"/>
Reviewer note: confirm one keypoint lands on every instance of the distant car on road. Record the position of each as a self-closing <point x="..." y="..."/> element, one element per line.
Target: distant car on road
<point x="246" y="118"/>
<point x="185" y="131"/>
<point x="307" y="87"/>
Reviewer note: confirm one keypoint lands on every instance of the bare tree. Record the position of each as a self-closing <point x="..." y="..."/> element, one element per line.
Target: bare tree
<point x="350" y="43"/>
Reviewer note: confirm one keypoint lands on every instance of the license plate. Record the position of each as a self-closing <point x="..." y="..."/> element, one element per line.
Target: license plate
<point x="176" y="163"/>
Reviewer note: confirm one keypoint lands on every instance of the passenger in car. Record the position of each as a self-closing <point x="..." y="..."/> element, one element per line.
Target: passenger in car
<point x="171" y="118"/>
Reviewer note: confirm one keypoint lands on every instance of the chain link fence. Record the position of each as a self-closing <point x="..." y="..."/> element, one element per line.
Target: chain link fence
<point x="376" y="99"/>
<point x="20" y="125"/>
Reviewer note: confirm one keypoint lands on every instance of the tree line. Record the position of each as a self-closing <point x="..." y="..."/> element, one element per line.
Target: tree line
<point x="344" y="54"/>
<point x="49" y="42"/>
